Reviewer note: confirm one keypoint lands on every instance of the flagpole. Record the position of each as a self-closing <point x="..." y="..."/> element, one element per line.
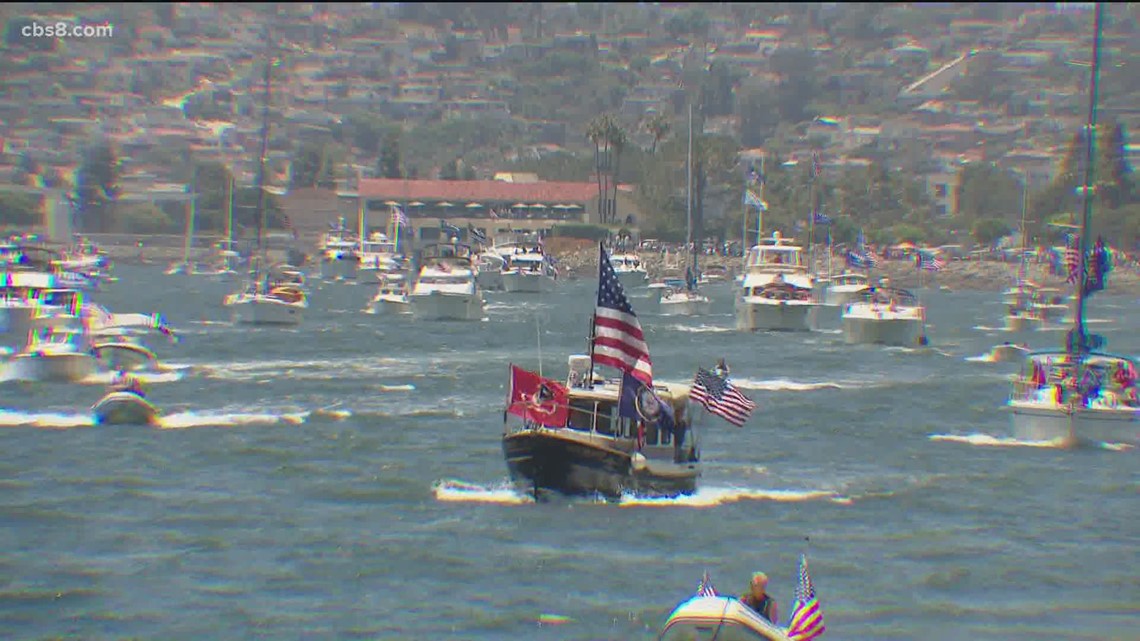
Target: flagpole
<point x="593" y="321"/>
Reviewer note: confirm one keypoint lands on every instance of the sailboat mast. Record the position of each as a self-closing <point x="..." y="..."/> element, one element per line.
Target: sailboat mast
<point x="689" y="201"/>
<point x="264" y="150"/>
<point x="1077" y="344"/>
<point x="1024" y="235"/>
<point x="228" y="229"/>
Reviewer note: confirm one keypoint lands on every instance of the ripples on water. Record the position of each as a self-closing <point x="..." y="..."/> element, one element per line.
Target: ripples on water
<point x="345" y="480"/>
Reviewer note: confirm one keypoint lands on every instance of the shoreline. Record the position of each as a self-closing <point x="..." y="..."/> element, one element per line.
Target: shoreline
<point x="578" y="261"/>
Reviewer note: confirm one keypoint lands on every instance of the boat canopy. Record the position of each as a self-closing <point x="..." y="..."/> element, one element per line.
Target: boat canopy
<point x="719" y="617"/>
<point x="886" y="295"/>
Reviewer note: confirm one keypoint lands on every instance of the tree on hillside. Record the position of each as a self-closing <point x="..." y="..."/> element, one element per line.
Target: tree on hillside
<point x="799" y="82"/>
<point x="391" y="160"/>
<point x="658" y="126"/>
<point x="987" y="191"/>
<point x="306" y="165"/>
<point x="609" y="139"/>
<point x="97" y="187"/>
<point x="1113" y="175"/>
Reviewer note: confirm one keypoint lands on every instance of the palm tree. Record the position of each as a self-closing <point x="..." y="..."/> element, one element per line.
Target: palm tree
<point x="658" y="126"/>
<point x="609" y="139"/>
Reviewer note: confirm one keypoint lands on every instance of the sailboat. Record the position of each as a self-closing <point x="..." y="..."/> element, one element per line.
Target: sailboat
<point x="1078" y="393"/>
<point x="687" y="300"/>
<point x="267" y="298"/>
<point x="1023" y="312"/>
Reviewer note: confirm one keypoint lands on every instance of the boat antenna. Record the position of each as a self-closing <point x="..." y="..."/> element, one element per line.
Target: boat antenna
<point x="593" y="321"/>
<point x="1077" y="345"/>
<point x="689" y="247"/>
<point x="538" y="332"/>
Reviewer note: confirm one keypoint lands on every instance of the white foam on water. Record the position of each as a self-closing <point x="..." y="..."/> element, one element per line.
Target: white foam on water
<point x="714" y="496"/>
<point x="15" y="418"/>
<point x="452" y="491"/>
<point x="699" y="329"/>
<point x="988" y="357"/>
<point x="182" y="420"/>
<point x="106" y="378"/>
<point x="988" y="440"/>
<point x="396" y="388"/>
<point x="787" y="385"/>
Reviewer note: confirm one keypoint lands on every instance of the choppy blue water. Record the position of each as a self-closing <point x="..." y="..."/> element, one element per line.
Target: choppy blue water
<point x="345" y="480"/>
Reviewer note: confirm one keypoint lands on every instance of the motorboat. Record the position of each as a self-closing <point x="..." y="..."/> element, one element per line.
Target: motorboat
<point x="278" y="299"/>
<point x="1008" y="352"/>
<point x="377" y="257"/>
<point x="630" y="270"/>
<point x="884" y="315"/>
<point x="124" y="355"/>
<point x="682" y="301"/>
<point x="338" y="250"/>
<point x="777" y="290"/>
<point x="843" y="288"/>
<point x="57" y="354"/>
<point x="391" y="297"/>
<point x="598" y="452"/>
<point x="1022" y="319"/>
<point x="719" y="618"/>
<point x="489" y="267"/>
<point x="121" y="407"/>
<point x="1054" y="305"/>
<point x="445" y="288"/>
<point x="527" y="269"/>
<point x="1049" y="403"/>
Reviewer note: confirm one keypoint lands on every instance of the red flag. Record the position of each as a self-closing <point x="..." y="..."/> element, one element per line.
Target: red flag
<point x="537" y="399"/>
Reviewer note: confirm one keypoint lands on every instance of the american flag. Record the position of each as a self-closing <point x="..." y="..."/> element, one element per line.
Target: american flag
<point x="705" y="587"/>
<point x="816" y="168"/>
<point x="807" y="616"/>
<point x="930" y="262"/>
<point x="719" y="397"/>
<point x="399" y="218"/>
<point x="1072" y="257"/>
<point x="618" y="339"/>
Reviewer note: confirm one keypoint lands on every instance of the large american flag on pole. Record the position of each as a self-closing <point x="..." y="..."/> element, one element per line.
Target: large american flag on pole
<point x="807" y="616"/>
<point x="719" y="397"/>
<point x="399" y="218"/>
<point x="618" y="339"/>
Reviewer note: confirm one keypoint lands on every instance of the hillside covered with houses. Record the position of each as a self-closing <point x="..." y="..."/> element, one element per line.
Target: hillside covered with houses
<point x="923" y="122"/>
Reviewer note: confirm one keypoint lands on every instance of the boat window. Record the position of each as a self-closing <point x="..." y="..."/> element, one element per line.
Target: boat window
<point x="605" y="419"/>
<point x="581" y="414"/>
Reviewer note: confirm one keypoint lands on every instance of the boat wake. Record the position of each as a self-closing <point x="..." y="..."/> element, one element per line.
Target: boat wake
<point x="502" y="493"/>
<point x="786" y="385"/>
<point x="698" y="329"/>
<point x="988" y="440"/>
<point x="148" y="377"/>
<point x="183" y="420"/>
<point x="54" y="420"/>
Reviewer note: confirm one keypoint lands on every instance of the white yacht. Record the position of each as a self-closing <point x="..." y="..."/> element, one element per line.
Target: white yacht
<point x="53" y="353"/>
<point x="279" y="299"/>
<point x="630" y="271"/>
<point x="884" y="315"/>
<point x="776" y="292"/>
<point x="489" y="267"/>
<point x="843" y="288"/>
<point x="445" y="288"/>
<point x="1047" y="405"/>
<point x="376" y="257"/>
<point x="338" y="248"/>
<point x="391" y="297"/>
<point x="527" y="270"/>
<point x="682" y="301"/>
<point x="21" y="300"/>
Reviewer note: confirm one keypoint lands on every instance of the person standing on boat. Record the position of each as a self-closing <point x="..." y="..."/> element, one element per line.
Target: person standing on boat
<point x="758" y="598"/>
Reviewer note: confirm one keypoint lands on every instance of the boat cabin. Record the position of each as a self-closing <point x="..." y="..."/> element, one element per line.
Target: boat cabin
<point x="1109" y="379"/>
<point x="880" y="295"/>
<point x="626" y="262"/>
<point x="775" y="253"/>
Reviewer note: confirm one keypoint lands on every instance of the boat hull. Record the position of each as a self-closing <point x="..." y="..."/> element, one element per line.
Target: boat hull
<point x="490" y="280"/>
<point x="124" y="408"/>
<point x="338" y="269"/>
<point x="545" y="459"/>
<point x="393" y="305"/>
<point x="681" y="305"/>
<point x="527" y="283"/>
<point x="443" y="306"/>
<point x="841" y="295"/>
<point x="1023" y="323"/>
<point x="1039" y="422"/>
<point x="718" y="618"/>
<point x="902" y="332"/>
<point x="759" y="314"/>
<point x="266" y="312"/>
<point x="58" y="368"/>
<point x="124" y="356"/>
<point x="1008" y="353"/>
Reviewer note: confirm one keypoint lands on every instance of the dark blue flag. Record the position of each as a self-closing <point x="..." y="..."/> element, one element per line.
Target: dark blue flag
<point x="822" y="218"/>
<point x="641" y="403"/>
